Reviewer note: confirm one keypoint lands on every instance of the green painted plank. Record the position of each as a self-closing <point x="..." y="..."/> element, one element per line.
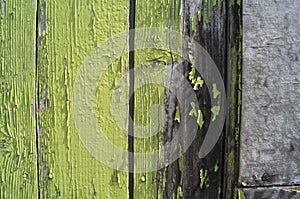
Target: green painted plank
<point x="69" y="32"/>
<point x="149" y="98"/>
<point x="18" y="175"/>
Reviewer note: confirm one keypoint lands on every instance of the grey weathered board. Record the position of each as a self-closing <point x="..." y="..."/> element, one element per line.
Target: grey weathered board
<point x="270" y="132"/>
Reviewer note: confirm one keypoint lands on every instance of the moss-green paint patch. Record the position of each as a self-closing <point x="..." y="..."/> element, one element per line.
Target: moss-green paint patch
<point x="18" y="175"/>
<point x="208" y="11"/>
<point x="215" y="110"/>
<point x="200" y="120"/>
<point x="194" y="23"/>
<point x="216" y="167"/>
<point x="177" y="114"/>
<point x="214" y="2"/>
<point x="241" y="194"/>
<point x="244" y="182"/>
<point x="216" y="92"/>
<point x="196" y="81"/>
<point x="203" y="178"/>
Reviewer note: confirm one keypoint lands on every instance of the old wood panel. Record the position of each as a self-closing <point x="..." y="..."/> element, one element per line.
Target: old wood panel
<point x="270" y="117"/>
<point x="234" y="98"/>
<point x="18" y="175"/>
<point x="68" y="33"/>
<point x="205" y="22"/>
<point x="149" y="102"/>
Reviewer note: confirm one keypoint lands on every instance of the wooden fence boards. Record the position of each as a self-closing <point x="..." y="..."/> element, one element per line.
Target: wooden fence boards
<point x="18" y="176"/>
<point x="69" y="32"/>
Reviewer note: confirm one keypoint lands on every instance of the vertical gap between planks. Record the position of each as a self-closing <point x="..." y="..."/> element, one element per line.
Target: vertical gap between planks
<point x="131" y="100"/>
<point x="36" y="85"/>
<point x="226" y="79"/>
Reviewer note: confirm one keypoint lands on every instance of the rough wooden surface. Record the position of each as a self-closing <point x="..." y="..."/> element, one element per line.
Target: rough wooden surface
<point x="271" y="96"/>
<point x="204" y="21"/>
<point x="18" y="175"/>
<point x="68" y="32"/>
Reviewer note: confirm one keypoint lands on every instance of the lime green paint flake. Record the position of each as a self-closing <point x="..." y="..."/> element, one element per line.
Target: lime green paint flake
<point x="177" y="114"/>
<point x="215" y="110"/>
<point x="200" y="120"/>
<point x="244" y="182"/>
<point x="194" y="23"/>
<point x="215" y="2"/>
<point x="196" y="81"/>
<point x="241" y="194"/>
<point x="216" y="167"/>
<point x="216" y="92"/>
<point x="203" y="178"/>
<point x="199" y="15"/>
<point x="179" y="191"/>
<point x="208" y="11"/>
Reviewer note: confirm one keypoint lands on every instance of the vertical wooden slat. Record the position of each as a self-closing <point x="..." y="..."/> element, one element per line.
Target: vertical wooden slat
<point x="162" y="14"/>
<point x="205" y="22"/>
<point x="18" y="175"/>
<point x="68" y="32"/>
<point x="234" y="83"/>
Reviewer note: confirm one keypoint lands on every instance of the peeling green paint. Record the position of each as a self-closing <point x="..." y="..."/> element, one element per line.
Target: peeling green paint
<point x="203" y="178"/>
<point x="208" y="10"/>
<point x="241" y="194"/>
<point x="194" y="23"/>
<point x="244" y="182"/>
<point x="216" y="167"/>
<point x="18" y="175"/>
<point x="215" y="110"/>
<point x="216" y="92"/>
<point x="215" y="2"/>
<point x="179" y="191"/>
<point x="177" y="114"/>
<point x="196" y="81"/>
<point x="199" y="15"/>
<point x="200" y="120"/>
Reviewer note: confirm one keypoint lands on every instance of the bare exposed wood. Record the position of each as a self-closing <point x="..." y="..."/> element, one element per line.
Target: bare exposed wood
<point x="270" y="133"/>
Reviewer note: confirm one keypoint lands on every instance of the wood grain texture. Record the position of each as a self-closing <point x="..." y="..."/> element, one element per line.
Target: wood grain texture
<point x="18" y="175"/>
<point x="163" y="14"/>
<point x="234" y="98"/>
<point x="270" y="133"/>
<point x="205" y="22"/>
<point x="68" y="32"/>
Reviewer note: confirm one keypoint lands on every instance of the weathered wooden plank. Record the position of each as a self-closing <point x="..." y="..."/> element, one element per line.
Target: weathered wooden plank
<point x="205" y="22"/>
<point x="68" y="32"/>
<point x="234" y="89"/>
<point x="149" y="103"/>
<point x="18" y="175"/>
<point x="270" y="131"/>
